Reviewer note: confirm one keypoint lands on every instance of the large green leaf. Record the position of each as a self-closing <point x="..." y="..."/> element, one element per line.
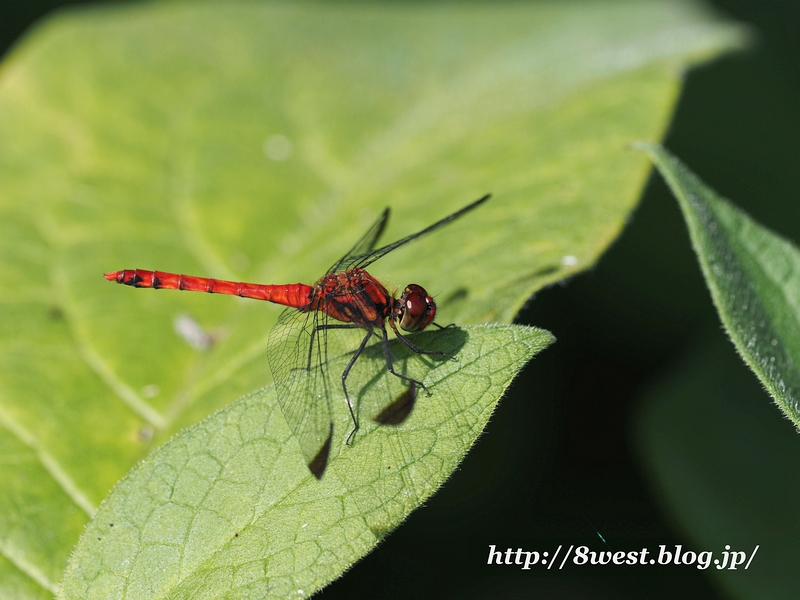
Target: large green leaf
<point x="754" y="278"/>
<point x="256" y="141"/>
<point x="228" y="507"/>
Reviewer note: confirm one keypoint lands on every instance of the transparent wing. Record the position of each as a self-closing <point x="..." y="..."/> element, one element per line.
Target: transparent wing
<point x="364" y="245"/>
<point x="298" y="352"/>
<point x="363" y="259"/>
<point x="297" y="355"/>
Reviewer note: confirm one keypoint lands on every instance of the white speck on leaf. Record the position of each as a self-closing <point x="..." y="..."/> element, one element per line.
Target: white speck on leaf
<point x="192" y="332"/>
<point x="278" y="147"/>
<point x="569" y="260"/>
<point x="150" y="391"/>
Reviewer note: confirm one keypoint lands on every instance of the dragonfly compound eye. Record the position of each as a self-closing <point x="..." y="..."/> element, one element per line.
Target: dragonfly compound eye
<point x="418" y="309"/>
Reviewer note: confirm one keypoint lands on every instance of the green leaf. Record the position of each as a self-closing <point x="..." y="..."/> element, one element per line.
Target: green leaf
<point x="257" y="141"/>
<point x="754" y="278"/>
<point x="227" y="507"/>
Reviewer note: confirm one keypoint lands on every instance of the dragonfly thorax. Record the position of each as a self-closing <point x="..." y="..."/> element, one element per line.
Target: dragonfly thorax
<point x="415" y="309"/>
<point x="352" y="296"/>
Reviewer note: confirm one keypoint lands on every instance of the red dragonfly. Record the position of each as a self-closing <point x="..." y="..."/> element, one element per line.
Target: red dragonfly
<point x="346" y="297"/>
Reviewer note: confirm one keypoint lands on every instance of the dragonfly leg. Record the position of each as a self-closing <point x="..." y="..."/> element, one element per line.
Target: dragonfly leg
<point x="417" y="349"/>
<point x="321" y="328"/>
<point x="345" y="373"/>
<point x="387" y="350"/>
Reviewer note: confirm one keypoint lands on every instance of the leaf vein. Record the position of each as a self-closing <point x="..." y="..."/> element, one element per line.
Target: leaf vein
<point x="30" y="570"/>
<point x="49" y="463"/>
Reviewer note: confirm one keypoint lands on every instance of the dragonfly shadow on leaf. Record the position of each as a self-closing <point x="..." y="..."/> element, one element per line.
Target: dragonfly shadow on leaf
<point x="387" y="399"/>
<point x="399" y="409"/>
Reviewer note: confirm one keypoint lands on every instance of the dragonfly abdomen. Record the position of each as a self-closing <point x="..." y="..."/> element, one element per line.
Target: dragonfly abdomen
<point x="295" y="295"/>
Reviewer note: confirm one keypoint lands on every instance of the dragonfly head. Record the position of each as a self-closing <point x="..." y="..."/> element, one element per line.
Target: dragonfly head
<point x="415" y="309"/>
